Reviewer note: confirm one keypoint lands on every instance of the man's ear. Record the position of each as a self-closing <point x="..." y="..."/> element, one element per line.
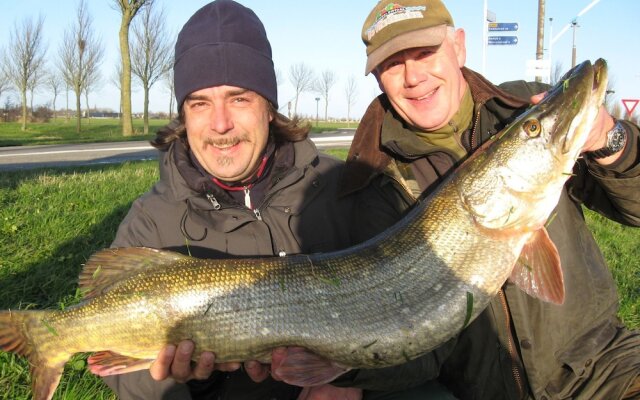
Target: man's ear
<point x="376" y="74"/>
<point x="460" y="47"/>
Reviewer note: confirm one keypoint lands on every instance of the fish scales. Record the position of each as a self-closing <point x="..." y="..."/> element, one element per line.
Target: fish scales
<point x="377" y="304"/>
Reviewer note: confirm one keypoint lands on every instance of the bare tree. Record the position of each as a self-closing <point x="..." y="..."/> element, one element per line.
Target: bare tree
<point x="116" y="80"/>
<point x="80" y="55"/>
<point x="92" y="78"/>
<point x="151" y="54"/>
<point x="323" y="86"/>
<point x="168" y="80"/>
<point x="128" y="10"/>
<point x="24" y="58"/>
<point x="301" y="77"/>
<point x="616" y="111"/>
<point x="557" y="71"/>
<point x="54" y="82"/>
<point x="32" y="86"/>
<point x="5" y="84"/>
<point x="350" y="90"/>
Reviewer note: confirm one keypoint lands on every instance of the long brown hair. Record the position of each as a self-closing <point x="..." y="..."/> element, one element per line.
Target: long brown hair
<point x="282" y="128"/>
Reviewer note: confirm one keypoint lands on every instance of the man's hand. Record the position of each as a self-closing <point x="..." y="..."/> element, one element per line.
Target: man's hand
<point x="597" y="139"/>
<point x="175" y="361"/>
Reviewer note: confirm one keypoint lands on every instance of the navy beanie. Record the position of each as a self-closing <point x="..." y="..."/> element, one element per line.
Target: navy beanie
<point x="224" y="43"/>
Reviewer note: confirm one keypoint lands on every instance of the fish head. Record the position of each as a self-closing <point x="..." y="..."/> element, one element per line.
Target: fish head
<point x="517" y="179"/>
<point x="567" y="112"/>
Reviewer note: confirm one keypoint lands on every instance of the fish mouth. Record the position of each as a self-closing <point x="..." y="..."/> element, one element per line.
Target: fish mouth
<point x="571" y="106"/>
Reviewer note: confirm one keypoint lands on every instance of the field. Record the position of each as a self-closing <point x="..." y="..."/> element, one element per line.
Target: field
<point x="62" y="131"/>
<point x="51" y="220"/>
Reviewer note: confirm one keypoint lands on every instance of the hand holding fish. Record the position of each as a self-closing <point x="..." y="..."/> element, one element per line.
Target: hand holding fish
<point x="597" y="139"/>
<point x="175" y="362"/>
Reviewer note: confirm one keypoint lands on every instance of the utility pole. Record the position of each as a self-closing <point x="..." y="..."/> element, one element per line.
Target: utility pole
<point x="540" y="44"/>
<point x="574" y="25"/>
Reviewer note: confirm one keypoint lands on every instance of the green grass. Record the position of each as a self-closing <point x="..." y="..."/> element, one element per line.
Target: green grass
<point x="61" y="131"/>
<point x="52" y="220"/>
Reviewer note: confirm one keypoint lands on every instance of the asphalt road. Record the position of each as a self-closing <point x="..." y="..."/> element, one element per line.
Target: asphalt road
<point x="28" y="157"/>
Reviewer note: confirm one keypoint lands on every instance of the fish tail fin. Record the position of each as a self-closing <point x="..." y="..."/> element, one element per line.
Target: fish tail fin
<point x="17" y="334"/>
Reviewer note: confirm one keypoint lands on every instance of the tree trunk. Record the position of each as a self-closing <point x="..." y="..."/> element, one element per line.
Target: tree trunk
<point x="24" y="110"/>
<point x="326" y="107"/>
<point x="125" y="90"/>
<point x="78" y="111"/>
<point x="146" y="110"/>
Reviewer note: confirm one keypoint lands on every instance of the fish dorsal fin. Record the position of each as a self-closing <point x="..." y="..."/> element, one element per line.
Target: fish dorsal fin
<point x="107" y="267"/>
<point x="538" y="271"/>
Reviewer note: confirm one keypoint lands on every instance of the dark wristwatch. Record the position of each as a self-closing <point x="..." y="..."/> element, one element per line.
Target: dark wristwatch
<point x="616" y="139"/>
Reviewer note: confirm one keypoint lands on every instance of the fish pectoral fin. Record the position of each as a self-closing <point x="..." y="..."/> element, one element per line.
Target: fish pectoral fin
<point x="304" y="368"/>
<point x="106" y="363"/>
<point x="538" y="271"/>
<point x="107" y="267"/>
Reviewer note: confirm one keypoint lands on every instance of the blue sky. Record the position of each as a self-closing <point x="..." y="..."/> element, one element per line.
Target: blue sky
<point x="326" y="35"/>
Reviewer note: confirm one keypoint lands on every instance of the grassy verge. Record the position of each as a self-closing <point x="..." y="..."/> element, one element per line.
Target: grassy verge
<point x="51" y="220"/>
<point x="61" y="131"/>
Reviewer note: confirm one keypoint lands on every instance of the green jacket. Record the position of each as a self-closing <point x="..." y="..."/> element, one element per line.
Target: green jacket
<point x="519" y="347"/>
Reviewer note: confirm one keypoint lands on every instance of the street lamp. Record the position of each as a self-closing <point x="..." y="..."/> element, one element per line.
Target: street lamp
<point x="574" y="25"/>
<point x="317" y="103"/>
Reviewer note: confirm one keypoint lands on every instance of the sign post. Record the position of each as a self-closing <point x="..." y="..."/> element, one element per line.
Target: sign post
<point x="501" y="40"/>
<point x="503" y="26"/>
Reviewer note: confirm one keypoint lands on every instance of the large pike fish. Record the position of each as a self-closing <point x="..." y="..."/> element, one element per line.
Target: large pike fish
<point x="377" y="304"/>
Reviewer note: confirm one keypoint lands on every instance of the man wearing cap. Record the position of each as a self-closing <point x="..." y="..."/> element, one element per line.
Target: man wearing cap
<point x="432" y="114"/>
<point x="236" y="179"/>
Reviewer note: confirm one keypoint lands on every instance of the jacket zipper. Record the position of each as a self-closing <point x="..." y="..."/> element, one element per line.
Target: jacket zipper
<point x="473" y="131"/>
<point x="511" y="346"/>
<point x="213" y="201"/>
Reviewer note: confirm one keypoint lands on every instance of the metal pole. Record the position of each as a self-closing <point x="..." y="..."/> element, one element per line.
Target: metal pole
<point x="550" y="48"/>
<point x="574" y="25"/>
<point x="540" y="44"/>
<point x="485" y="38"/>
<point x="317" y="102"/>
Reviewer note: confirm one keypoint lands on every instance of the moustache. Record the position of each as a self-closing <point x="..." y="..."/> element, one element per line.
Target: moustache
<point x="225" y="141"/>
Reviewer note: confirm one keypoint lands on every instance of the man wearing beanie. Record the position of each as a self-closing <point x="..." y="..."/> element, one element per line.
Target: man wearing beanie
<point x="236" y="179"/>
<point x="432" y="114"/>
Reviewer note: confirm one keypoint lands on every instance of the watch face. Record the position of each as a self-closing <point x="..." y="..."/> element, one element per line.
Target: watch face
<point x="617" y="138"/>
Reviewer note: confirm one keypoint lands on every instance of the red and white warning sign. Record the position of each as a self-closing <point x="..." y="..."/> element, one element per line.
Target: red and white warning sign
<point x="630" y="105"/>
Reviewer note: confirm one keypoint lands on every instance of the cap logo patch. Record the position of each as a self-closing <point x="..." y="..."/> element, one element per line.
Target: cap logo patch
<point x="393" y="13"/>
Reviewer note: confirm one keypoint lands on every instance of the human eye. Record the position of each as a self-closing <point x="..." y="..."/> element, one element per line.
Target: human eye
<point x="391" y="65"/>
<point x="197" y="105"/>
<point x="424" y="53"/>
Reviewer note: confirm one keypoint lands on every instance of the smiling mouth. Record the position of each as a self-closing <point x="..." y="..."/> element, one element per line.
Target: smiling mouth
<point x="426" y="96"/>
<point x="224" y="144"/>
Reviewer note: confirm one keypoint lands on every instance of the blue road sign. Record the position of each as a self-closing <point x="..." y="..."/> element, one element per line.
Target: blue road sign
<point x="503" y="26"/>
<point x="503" y="40"/>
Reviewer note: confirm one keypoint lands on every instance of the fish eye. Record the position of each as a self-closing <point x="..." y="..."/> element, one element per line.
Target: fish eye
<point x="532" y="128"/>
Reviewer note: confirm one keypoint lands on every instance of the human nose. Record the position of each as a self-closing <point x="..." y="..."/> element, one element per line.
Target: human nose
<point x="413" y="73"/>
<point x="221" y="120"/>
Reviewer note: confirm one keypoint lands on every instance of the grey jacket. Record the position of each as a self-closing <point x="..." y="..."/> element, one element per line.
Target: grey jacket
<point x="180" y="214"/>
<point x="519" y="347"/>
<point x="185" y="213"/>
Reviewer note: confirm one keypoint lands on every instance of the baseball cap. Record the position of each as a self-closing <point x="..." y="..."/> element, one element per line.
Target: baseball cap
<point x="392" y="27"/>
